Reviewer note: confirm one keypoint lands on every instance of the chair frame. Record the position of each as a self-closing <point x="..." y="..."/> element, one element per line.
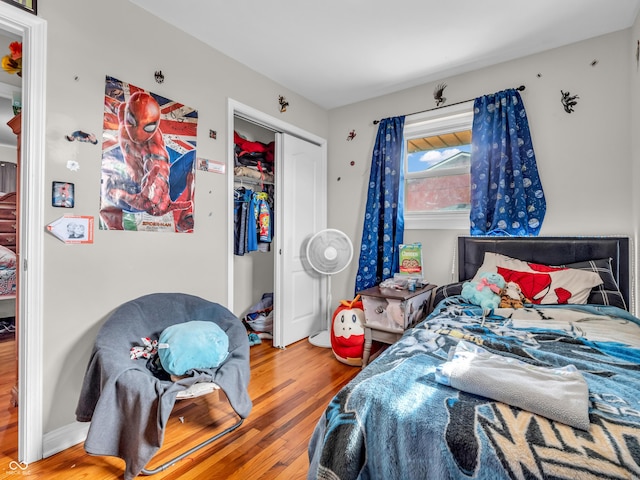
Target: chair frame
<point x="200" y="446"/>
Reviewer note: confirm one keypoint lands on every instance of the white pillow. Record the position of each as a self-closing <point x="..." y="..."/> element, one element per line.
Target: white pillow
<point x="542" y="284"/>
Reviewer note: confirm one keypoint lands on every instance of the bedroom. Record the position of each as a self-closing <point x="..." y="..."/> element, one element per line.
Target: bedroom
<point x="589" y="181"/>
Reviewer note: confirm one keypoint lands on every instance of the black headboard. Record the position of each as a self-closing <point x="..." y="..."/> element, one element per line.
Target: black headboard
<point x="549" y="251"/>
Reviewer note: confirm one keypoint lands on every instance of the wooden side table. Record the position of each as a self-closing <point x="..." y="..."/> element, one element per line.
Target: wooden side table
<point x="389" y="312"/>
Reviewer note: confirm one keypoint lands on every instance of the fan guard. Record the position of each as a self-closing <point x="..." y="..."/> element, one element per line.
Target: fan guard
<point x="329" y="251"/>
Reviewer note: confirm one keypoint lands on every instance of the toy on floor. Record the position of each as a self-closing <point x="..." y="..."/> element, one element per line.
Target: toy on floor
<point x="485" y="291"/>
<point x="347" y="332"/>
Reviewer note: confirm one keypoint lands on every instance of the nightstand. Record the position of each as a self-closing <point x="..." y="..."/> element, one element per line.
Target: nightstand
<point x="389" y="312"/>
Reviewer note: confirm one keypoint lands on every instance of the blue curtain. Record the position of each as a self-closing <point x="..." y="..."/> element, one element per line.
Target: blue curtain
<point x="383" y="228"/>
<point x="506" y="193"/>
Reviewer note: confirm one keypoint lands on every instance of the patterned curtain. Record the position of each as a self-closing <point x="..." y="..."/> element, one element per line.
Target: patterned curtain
<point x="506" y="193"/>
<point x="383" y="228"/>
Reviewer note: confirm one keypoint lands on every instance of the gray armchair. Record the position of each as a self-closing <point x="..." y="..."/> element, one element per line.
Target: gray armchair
<point x="128" y="405"/>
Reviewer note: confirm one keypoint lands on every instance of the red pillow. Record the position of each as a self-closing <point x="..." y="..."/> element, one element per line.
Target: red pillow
<point x="537" y="287"/>
<point x="543" y="284"/>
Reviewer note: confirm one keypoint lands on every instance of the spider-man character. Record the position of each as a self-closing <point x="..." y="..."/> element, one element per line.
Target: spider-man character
<point x="143" y="184"/>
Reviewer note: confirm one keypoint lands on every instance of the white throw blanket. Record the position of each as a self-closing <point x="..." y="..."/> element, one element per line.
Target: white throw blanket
<point x="557" y="393"/>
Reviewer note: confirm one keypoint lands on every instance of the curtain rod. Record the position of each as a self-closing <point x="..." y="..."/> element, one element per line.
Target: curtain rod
<point x="375" y="122"/>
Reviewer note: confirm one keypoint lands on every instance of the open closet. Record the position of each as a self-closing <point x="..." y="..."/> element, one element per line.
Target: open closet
<point x="297" y="196"/>
<point x="254" y="207"/>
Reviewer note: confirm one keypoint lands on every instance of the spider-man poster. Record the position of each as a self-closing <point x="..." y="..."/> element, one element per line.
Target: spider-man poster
<point x="148" y="161"/>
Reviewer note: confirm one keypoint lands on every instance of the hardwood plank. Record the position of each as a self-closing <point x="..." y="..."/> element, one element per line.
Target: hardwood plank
<point x="289" y="388"/>
<point x="8" y="413"/>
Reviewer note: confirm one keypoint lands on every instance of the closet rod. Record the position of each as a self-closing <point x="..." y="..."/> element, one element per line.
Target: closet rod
<point x="375" y="122"/>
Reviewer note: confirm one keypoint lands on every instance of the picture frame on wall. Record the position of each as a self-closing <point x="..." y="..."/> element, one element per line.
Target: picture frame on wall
<point x="62" y="194"/>
<point x="27" y="5"/>
<point x="73" y="228"/>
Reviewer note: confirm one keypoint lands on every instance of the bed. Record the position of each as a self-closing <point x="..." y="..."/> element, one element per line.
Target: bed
<point x="413" y="414"/>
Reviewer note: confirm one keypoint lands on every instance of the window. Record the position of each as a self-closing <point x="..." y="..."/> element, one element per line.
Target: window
<point x="436" y="168"/>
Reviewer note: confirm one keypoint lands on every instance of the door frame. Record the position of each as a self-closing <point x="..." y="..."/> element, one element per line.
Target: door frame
<point x="237" y="109"/>
<point x="33" y="31"/>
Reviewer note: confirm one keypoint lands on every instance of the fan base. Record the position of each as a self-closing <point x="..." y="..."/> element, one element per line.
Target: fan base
<point x="321" y="339"/>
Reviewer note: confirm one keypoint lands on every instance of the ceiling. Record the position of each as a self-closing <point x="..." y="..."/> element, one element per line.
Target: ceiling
<point x="337" y="52"/>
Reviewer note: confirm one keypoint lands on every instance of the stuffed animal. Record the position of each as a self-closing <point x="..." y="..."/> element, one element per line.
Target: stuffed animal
<point x="511" y="296"/>
<point x="485" y="291"/>
<point x="347" y="332"/>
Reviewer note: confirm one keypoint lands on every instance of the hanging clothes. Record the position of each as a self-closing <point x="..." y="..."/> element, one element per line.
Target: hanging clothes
<point x="260" y="239"/>
<point x="253" y="217"/>
<point x="252" y="225"/>
<point x="241" y="197"/>
<point x="264" y="218"/>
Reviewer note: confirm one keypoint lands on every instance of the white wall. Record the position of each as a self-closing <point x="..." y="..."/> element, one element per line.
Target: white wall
<point x="584" y="158"/>
<point x="83" y="283"/>
<point x="8" y="153"/>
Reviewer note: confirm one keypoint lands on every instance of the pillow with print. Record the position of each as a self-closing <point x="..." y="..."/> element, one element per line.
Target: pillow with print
<point x="543" y="284"/>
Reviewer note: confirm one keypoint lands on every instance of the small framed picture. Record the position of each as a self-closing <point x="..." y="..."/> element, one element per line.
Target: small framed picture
<point x="28" y="5"/>
<point x="73" y="228"/>
<point x="62" y="194"/>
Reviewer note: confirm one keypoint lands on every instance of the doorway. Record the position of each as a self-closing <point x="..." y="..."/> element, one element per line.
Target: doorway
<point x="32" y="30"/>
<point x="10" y="125"/>
<point x="300" y="211"/>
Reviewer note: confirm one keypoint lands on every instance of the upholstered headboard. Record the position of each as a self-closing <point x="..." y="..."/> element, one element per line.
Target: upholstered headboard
<point x="549" y="251"/>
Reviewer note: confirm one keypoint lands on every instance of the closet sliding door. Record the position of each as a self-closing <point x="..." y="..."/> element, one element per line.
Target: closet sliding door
<point x="301" y="183"/>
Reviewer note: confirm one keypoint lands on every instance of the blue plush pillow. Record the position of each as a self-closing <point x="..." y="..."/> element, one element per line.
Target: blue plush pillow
<point x="192" y="345"/>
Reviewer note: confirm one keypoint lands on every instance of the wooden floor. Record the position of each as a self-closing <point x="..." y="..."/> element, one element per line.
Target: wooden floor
<point x="289" y="388"/>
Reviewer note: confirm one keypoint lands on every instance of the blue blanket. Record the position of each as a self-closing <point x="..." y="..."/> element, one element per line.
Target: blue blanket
<point x="394" y="421"/>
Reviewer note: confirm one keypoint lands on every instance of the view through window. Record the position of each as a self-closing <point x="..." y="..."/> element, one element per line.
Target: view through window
<point x="438" y="152"/>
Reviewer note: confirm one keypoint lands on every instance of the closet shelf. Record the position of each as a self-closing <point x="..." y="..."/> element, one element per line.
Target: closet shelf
<point x="250" y="180"/>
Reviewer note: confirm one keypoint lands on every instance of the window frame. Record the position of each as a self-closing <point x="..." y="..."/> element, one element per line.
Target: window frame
<point x="436" y="122"/>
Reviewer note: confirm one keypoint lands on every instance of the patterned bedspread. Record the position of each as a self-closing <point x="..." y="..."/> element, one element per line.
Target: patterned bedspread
<point x="8" y="282"/>
<point x="394" y="421"/>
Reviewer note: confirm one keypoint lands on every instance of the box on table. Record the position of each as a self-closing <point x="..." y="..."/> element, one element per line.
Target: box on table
<point x="396" y="310"/>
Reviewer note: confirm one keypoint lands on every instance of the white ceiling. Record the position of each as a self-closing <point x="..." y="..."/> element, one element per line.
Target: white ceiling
<point x="337" y="52"/>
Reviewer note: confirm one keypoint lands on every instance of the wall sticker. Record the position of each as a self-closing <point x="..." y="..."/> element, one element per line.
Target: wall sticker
<point x="72" y="229"/>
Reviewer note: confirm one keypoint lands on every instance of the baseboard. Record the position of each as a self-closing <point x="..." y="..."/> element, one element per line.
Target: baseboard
<point x="63" y="438"/>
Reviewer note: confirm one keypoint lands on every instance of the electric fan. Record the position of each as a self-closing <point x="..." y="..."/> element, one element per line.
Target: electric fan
<point x="328" y="252"/>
